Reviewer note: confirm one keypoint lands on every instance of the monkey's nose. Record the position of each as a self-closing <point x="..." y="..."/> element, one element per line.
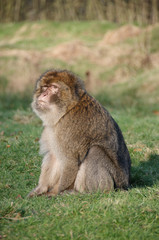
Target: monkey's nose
<point x="45" y="93"/>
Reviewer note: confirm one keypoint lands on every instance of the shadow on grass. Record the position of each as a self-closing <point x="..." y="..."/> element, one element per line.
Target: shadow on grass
<point x="9" y="101"/>
<point x="146" y="173"/>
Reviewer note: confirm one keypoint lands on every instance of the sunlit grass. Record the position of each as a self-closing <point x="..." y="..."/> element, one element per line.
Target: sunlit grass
<point x="117" y="215"/>
<point x="132" y="214"/>
<point x="44" y="34"/>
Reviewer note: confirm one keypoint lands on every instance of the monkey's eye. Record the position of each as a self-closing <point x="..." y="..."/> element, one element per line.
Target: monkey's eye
<point x="44" y="88"/>
<point x="54" y="86"/>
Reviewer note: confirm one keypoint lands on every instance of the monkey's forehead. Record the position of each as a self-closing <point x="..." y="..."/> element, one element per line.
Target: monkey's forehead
<point x="64" y="76"/>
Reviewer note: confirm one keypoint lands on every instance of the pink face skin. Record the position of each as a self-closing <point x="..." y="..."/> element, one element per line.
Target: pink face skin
<point x="44" y="99"/>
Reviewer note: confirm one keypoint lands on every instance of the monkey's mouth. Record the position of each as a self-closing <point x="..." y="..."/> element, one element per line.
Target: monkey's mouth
<point x="40" y="102"/>
<point x="41" y="105"/>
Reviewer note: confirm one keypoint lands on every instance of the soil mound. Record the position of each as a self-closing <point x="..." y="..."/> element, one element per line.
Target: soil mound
<point x="70" y="50"/>
<point x="122" y="60"/>
<point x="121" y="34"/>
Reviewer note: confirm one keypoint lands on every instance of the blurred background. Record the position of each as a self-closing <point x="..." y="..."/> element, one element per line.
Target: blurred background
<point x="112" y="44"/>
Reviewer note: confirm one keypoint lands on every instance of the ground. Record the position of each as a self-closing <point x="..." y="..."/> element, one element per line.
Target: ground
<point x="119" y="65"/>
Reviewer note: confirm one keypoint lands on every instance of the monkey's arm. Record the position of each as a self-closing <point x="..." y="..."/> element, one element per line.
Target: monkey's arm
<point x="49" y="177"/>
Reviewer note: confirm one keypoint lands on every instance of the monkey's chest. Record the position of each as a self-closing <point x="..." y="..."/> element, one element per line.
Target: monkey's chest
<point x="49" y="143"/>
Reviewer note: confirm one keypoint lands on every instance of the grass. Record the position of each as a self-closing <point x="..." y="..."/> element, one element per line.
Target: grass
<point x="155" y="36"/>
<point x="51" y="33"/>
<point x="117" y="215"/>
<point x="132" y="214"/>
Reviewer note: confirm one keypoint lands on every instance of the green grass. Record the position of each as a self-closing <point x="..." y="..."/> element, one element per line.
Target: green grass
<point x="154" y="41"/>
<point x="44" y="34"/>
<point x="132" y="214"/>
<point x="140" y="93"/>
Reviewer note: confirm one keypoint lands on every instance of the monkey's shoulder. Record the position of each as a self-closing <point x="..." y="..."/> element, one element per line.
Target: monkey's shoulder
<point x="89" y="107"/>
<point x="88" y="115"/>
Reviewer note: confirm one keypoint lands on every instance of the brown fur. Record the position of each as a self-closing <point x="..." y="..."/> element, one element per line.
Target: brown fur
<point x="83" y="147"/>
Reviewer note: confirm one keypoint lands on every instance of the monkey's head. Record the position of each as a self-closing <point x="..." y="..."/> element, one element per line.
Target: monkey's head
<point x="56" y="90"/>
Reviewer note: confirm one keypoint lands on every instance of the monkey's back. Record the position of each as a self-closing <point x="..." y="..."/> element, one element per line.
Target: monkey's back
<point x="88" y="124"/>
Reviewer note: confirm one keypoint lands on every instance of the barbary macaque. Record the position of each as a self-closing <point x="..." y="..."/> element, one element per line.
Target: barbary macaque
<point x="83" y="147"/>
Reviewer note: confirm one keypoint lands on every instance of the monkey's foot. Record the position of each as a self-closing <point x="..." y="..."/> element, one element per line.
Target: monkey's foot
<point x="69" y="192"/>
<point x="37" y="192"/>
<point x="66" y="192"/>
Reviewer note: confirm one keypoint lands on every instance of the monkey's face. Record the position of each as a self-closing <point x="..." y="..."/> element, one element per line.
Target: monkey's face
<point x="54" y="93"/>
<point x="49" y="96"/>
<point x="44" y="97"/>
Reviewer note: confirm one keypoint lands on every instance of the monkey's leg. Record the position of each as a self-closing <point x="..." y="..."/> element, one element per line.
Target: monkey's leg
<point x="67" y="178"/>
<point x="94" y="173"/>
<point x="49" y="177"/>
